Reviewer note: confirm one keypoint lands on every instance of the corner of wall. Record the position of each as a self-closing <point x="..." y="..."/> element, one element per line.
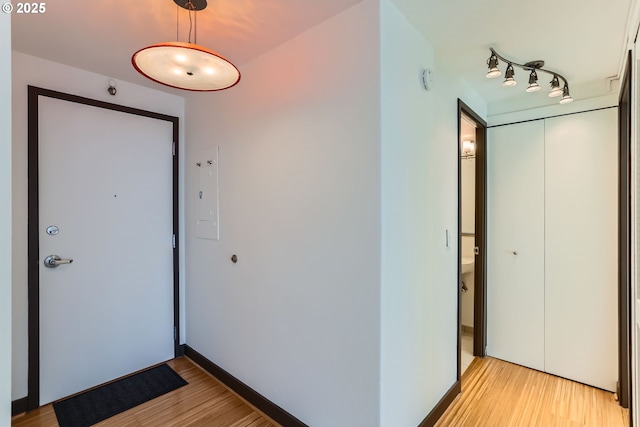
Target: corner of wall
<point x="5" y="222"/>
<point x="299" y="202"/>
<point x="419" y="173"/>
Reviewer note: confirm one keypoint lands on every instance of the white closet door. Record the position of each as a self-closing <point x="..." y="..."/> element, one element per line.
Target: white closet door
<point x="515" y="244"/>
<point x="581" y="247"/>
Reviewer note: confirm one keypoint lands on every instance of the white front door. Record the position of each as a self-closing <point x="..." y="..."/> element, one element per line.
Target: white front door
<point x="106" y="199"/>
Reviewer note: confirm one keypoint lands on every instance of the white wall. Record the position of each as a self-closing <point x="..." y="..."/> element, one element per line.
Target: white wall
<point x="28" y="70"/>
<point x="5" y="221"/>
<point x="326" y="143"/>
<point x="419" y="295"/>
<point x="297" y="318"/>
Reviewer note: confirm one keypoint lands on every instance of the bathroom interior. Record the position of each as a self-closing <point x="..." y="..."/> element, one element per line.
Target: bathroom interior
<point x="467" y="236"/>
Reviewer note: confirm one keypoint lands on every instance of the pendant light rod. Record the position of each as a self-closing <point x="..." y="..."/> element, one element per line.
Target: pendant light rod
<point x="530" y="66"/>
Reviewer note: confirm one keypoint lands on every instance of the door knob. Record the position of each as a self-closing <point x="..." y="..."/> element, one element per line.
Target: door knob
<point x="52" y="261"/>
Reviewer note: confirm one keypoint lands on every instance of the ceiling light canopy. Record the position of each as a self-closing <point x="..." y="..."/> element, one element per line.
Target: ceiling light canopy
<point x="533" y="67"/>
<point x="187" y="66"/>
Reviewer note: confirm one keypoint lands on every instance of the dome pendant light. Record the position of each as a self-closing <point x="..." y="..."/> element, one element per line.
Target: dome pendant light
<point x="187" y="66"/>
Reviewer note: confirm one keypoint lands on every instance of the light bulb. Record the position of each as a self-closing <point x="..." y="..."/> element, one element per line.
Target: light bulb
<point x="509" y="80"/>
<point x="493" y="73"/>
<point x="533" y="87"/>
<point x="566" y="99"/>
<point x="533" y="82"/>
<point x="556" y="91"/>
<point x="555" y="87"/>
<point x="468" y="147"/>
<point x="493" y="67"/>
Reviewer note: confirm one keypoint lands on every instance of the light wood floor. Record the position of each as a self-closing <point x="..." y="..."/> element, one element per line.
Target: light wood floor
<point x="202" y="402"/>
<point x="501" y="394"/>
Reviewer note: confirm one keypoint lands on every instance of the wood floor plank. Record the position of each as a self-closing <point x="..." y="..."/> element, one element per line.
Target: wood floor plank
<point x="500" y="394"/>
<point x="203" y="402"/>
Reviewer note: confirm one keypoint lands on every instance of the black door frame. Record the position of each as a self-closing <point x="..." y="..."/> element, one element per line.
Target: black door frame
<point x="624" y="240"/>
<point x="480" y="294"/>
<point x="33" y="255"/>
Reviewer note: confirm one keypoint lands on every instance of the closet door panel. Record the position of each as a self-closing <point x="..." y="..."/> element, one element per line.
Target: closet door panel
<point x="581" y="247"/>
<point x="515" y="243"/>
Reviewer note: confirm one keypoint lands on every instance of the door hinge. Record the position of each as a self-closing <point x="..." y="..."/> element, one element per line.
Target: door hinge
<point x="173" y="241"/>
<point x="173" y="148"/>
<point x="476" y="250"/>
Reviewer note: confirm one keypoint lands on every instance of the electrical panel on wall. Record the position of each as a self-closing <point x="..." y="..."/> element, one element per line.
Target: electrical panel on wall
<point x="206" y="197"/>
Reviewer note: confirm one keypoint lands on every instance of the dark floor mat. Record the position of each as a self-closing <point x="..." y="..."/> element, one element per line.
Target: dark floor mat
<point x="103" y="402"/>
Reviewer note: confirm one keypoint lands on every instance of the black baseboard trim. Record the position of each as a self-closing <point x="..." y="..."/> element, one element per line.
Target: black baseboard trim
<point x="442" y="406"/>
<point x="18" y="406"/>
<point x="278" y="414"/>
<point x="180" y="349"/>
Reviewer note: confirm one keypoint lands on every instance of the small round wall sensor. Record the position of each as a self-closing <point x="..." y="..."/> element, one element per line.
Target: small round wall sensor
<point x="427" y="78"/>
<point x="112" y="87"/>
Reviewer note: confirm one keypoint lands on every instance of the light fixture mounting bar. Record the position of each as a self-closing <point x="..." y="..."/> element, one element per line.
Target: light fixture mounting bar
<point x="530" y="66"/>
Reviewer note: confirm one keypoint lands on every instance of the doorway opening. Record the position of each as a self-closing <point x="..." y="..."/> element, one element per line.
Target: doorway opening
<point x="472" y="131"/>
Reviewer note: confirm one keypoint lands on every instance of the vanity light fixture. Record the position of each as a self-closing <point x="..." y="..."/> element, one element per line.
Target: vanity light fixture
<point x="468" y="148"/>
<point x="534" y="67"/>
<point x="186" y="65"/>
